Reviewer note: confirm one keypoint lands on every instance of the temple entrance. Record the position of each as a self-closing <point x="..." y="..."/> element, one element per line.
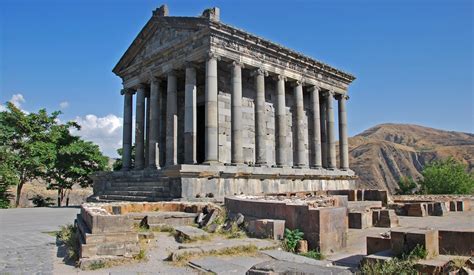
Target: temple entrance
<point x="201" y="133"/>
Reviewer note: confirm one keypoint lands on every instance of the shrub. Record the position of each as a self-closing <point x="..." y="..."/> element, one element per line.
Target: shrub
<point x="406" y="186"/>
<point x="390" y="267"/>
<point x="446" y="177"/>
<point x="68" y="236"/>
<point x="314" y="254"/>
<point x="40" y="201"/>
<point x="291" y="239"/>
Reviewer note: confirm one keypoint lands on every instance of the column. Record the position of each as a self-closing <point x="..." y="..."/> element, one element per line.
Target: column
<point x="155" y="121"/>
<point x="147" y="127"/>
<point x="281" y="136"/>
<point x="330" y="131"/>
<point x="190" y="113"/>
<point x="323" y="124"/>
<point x="211" y="114"/>
<point x="343" y="144"/>
<point x="127" y="129"/>
<point x="260" y="121"/>
<point x="140" y="128"/>
<point x="171" y="120"/>
<point x="236" y="114"/>
<point x="316" y="137"/>
<point x="300" y="160"/>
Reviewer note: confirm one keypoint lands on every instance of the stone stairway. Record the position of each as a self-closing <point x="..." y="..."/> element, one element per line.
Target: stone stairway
<point x="135" y="191"/>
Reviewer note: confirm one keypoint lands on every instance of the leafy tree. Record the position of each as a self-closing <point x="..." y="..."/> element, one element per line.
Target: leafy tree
<point x="75" y="160"/>
<point x="446" y="177"/>
<point x="406" y="186"/>
<point x="118" y="163"/>
<point x="26" y="150"/>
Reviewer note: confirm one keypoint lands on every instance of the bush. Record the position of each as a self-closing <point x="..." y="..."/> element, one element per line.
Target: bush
<point x="291" y="239"/>
<point x="314" y="254"/>
<point x="406" y="186"/>
<point x="403" y="264"/>
<point x="40" y="201"/>
<point x="446" y="177"/>
<point x="67" y="235"/>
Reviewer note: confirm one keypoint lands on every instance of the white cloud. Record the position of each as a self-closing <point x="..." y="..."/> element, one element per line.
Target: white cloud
<point x="17" y="100"/>
<point x="103" y="131"/>
<point x="64" y="105"/>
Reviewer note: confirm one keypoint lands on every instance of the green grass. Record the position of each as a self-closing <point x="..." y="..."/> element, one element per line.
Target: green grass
<point x="314" y="254"/>
<point x="243" y="250"/>
<point x="51" y="233"/>
<point x="68" y="235"/>
<point x="97" y="265"/>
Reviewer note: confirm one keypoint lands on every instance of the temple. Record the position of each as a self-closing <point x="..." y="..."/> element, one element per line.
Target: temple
<point x="218" y="111"/>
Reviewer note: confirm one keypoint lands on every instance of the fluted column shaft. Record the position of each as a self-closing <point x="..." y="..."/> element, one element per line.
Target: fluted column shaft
<point x="316" y="136"/>
<point x="140" y="128"/>
<point x="330" y="131"/>
<point x="171" y="121"/>
<point x="155" y="121"/>
<point x="190" y="112"/>
<point x="301" y="159"/>
<point x="281" y="137"/>
<point x="147" y="129"/>
<point x="343" y="143"/>
<point x="236" y="114"/>
<point x="260" y="125"/>
<point x="324" y="136"/>
<point x="127" y="129"/>
<point x="211" y="111"/>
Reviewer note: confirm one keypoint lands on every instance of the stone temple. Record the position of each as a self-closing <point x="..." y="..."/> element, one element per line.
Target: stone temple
<point x="219" y="111"/>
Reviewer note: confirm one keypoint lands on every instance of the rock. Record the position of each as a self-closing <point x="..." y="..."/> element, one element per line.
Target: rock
<point x="212" y="228"/>
<point x="302" y="246"/>
<point x="189" y="233"/>
<point x="210" y="217"/>
<point x="239" y="219"/>
<point x="199" y="219"/>
<point x="283" y="267"/>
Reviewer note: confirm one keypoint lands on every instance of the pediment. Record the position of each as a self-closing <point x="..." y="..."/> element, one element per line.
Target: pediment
<point x="157" y="35"/>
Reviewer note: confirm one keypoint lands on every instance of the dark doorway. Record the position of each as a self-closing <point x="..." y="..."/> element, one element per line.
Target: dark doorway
<point x="201" y="132"/>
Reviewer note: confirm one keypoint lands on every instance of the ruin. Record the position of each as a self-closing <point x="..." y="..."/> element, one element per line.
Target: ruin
<point x="219" y="111"/>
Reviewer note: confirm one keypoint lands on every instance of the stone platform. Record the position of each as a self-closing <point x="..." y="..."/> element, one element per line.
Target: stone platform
<point x="215" y="181"/>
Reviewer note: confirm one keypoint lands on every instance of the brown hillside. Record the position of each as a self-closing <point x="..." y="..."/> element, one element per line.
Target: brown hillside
<point x="384" y="153"/>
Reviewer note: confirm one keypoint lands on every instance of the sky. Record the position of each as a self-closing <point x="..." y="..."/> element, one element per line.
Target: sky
<point x="413" y="59"/>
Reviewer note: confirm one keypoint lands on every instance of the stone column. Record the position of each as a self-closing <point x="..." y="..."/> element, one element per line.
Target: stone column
<point x="155" y="121"/>
<point x="190" y="113"/>
<point x="236" y="114"/>
<point x="281" y="136"/>
<point x="299" y="107"/>
<point x="330" y="131"/>
<point x="260" y="121"/>
<point x="127" y="129"/>
<point x="172" y="121"/>
<point x="324" y="138"/>
<point x="316" y="137"/>
<point x="140" y="128"/>
<point x="147" y="128"/>
<point x="211" y="112"/>
<point x="343" y="143"/>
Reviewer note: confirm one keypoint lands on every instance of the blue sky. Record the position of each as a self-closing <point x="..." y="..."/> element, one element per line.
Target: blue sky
<point x="413" y="59"/>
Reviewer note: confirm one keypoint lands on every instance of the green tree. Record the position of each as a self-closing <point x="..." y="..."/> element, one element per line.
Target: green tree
<point x="406" y="185"/>
<point x="118" y="163"/>
<point x="25" y="147"/>
<point x="75" y="160"/>
<point x="446" y="177"/>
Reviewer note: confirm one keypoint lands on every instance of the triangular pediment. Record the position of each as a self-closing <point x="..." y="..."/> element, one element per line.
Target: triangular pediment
<point x="158" y="34"/>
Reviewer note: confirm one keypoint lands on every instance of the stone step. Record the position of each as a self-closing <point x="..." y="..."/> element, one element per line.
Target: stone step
<point x="132" y="198"/>
<point x="131" y="184"/>
<point x="139" y="188"/>
<point x="134" y="193"/>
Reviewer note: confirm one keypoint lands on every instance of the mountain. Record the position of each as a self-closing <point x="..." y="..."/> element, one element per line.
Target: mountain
<point x="386" y="152"/>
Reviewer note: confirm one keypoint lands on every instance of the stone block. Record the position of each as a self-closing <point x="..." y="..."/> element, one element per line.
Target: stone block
<point x="267" y="228"/>
<point x="360" y="220"/>
<point x="404" y="240"/>
<point x="456" y="242"/>
<point x="388" y="218"/>
<point x="432" y="266"/>
<point x="377" y="244"/>
<point x="452" y="206"/>
<point x="380" y="256"/>
<point x="417" y="209"/>
<point x="190" y="233"/>
<point x="440" y="209"/>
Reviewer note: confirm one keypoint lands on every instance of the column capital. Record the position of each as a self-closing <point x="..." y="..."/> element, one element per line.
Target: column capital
<point x="141" y="86"/>
<point x="234" y="63"/>
<point x="328" y="93"/>
<point x="342" y="96"/>
<point x="314" y="88"/>
<point x="191" y="65"/>
<point x="279" y="77"/>
<point x="212" y="55"/>
<point x="127" y="92"/>
<point x="171" y="72"/>
<point x="259" y="71"/>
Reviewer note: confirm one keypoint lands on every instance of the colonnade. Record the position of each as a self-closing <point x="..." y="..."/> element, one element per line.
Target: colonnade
<point x="148" y="119"/>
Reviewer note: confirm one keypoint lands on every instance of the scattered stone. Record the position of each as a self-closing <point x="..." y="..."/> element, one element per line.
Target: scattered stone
<point x="199" y="219"/>
<point x="452" y="206"/>
<point x="438" y="265"/>
<point x="212" y="228"/>
<point x="210" y="217"/>
<point x="239" y="219"/>
<point x="282" y="267"/>
<point x="190" y="233"/>
<point x="404" y="240"/>
<point x="381" y="256"/>
<point x="377" y="244"/>
<point x="388" y="218"/>
<point x="267" y="228"/>
<point x="302" y="246"/>
<point x="360" y="220"/>
<point x="440" y="209"/>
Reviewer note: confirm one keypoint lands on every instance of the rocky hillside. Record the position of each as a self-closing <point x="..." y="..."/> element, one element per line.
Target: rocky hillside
<point x="384" y="153"/>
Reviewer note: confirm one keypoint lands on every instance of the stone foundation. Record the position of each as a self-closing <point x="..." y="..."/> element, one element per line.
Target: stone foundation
<point x="215" y="181"/>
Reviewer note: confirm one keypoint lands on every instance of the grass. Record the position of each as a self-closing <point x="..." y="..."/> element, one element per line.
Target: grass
<point x="51" y="233"/>
<point x="68" y="236"/>
<point x="180" y="238"/>
<point x="97" y="265"/>
<point x="242" y="250"/>
<point x="314" y="254"/>
<point x="141" y="255"/>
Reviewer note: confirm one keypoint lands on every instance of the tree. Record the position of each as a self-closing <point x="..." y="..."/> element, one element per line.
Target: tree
<point x="25" y="147"/>
<point x="118" y="163"/>
<point x="75" y="159"/>
<point x="446" y="177"/>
